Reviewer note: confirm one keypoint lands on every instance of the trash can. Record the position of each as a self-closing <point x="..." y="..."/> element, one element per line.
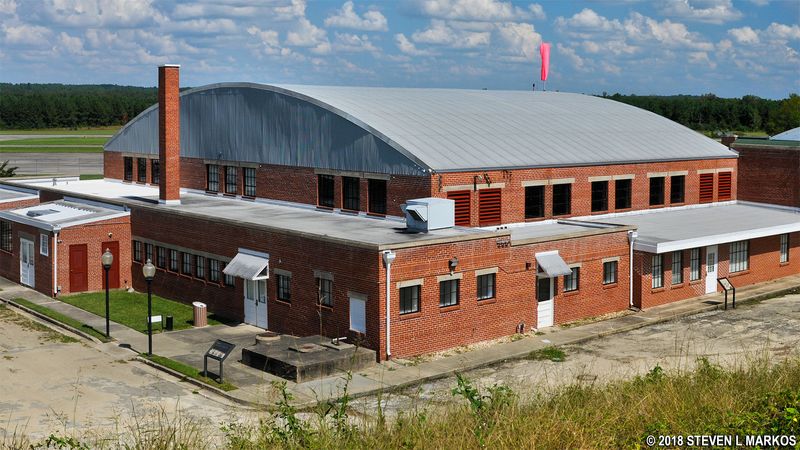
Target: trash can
<point x="200" y="314"/>
<point x="169" y="323"/>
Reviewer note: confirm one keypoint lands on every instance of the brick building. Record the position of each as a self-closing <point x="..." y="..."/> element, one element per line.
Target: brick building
<point x="294" y="208"/>
<point x="763" y="162"/>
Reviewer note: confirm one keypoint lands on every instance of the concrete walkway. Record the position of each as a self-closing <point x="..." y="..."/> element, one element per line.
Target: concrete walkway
<point x="255" y="389"/>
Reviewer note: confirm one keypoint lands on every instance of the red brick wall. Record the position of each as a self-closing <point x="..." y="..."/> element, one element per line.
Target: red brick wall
<point x="43" y="265"/>
<point x="19" y="204"/>
<point x="769" y="175"/>
<point x="169" y="136"/>
<point x="764" y="266"/>
<point x="435" y="328"/>
<point x="513" y="194"/>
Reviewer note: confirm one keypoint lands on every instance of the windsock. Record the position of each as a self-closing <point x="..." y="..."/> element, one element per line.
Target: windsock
<point x="545" y="51"/>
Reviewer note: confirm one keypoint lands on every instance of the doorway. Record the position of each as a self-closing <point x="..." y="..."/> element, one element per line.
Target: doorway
<point x="27" y="269"/>
<point x="545" y="303"/>
<point x="711" y="269"/>
<point x="255" y="303"/>
<point x="78" y="274"/>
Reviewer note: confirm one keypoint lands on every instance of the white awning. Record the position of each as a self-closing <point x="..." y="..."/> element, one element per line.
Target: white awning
<point x="552" y="265"/>
<point x="248" y="266"/>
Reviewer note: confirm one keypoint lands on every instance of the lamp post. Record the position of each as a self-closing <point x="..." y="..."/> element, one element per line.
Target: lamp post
<point x="108" y="260"/>
<point x="149" y="271"/>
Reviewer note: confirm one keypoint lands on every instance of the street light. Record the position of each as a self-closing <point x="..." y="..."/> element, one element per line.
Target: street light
<point x="149" y="271"/>
<point x="108" y="260"/>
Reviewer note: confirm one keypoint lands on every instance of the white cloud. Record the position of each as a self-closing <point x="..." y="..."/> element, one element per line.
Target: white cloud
<point x="210" y="10"/>
<point x="346" y="42"/>
<point x="521" y="39"/>
<point x="744" y="35"/>
<point x="71" y="44"/>
<point x="306" y="34"/>
<point x="439" y="33"/>
<point x="269" y="43"/>
<point x="782" y="33"/>
<point x="668" y="33"/>
<point x="537" y="11"/>
<point x="572" y="56"/>
<point x="346" y="17"/>
<point x="24" y="34"/>
<point x="712" y="11"/>
<point x="408" y="47"/>
<point x="221" y="25"/>
<point x="469" y="70"/>
<point x="8" y="7"/>
<point x="588" y="20"/>
<point x="295" y="9"/>
<point x="102" y="13"/>
<point x="760" y="2"/>
<point x="477" y="10"/>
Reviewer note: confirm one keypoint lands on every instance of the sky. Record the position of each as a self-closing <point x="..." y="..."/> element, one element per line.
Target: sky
<point x="726" y="47"/>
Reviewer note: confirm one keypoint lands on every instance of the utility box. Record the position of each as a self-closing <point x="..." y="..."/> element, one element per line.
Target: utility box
<point x="430" y="213"/>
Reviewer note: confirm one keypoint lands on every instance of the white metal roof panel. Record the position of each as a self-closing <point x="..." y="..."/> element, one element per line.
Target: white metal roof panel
<point x="552" y="264"/>
<point x="247" y="266"/>
<point x="788" y="135"/>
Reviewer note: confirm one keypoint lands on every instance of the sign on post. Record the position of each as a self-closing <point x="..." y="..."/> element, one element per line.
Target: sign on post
<point x="219" y="351"/>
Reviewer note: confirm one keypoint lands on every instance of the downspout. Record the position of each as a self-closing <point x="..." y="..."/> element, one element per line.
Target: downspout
<point x="632" y="235"/>
<point x="55" y="261"/>
<point x="388" y="258"/>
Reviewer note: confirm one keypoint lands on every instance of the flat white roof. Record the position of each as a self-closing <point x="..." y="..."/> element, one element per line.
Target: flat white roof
<point x="63" y="214"/>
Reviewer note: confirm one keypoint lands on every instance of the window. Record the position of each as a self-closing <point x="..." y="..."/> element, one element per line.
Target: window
<point x="724" y="186"/>
<point x="534" y="202"/>
<point x="599" y="196"/>
<point x="186" y="266"/>
<point x="155" y="172"/>
<point x="141" y="170"/>
<point x="622" y="198"/>
<point x="212" y="178"/>
<point x="677" y="189"/>
<point x="571" y="280"/>
<point x="677" y="267"/>
<point x="656" y="191"/>
<point x="161" y="257"/>
<point x="6" y="241"/>
<point x="284" y="287"/>
<point x="657" y="264"/>
<point x="213" y="270"/>
<point x="463" y="207"/>
<point x="448" y="292"/>
<point x="740" y="256"/>
<point x="377" y="196"/>
<point x="249" y="181"/>
<point x="44" y="244"/>
<point x="325" y="190"/>
<point x="231" y="182"/>
<point x="137" y="251"/>
<point x="694" y="264"/>
<point x="784" y="248"/>
<point x="610" y="272"/>
<point x="489" y="207"/>
<point x="351" y="198"/>
<point x="358" y="313"/>
<point x="486" y="285"/>
<point x="148" y="252"/>
<point x="128" y="165"/>
<point x="325" y="289"/>
<point x="706" y="187"/>
<point x="200" y="267"/>
<point x="409" y="299"/>
<point x="562" y="199"/>
<point x="228" y="280"/>
<point x="173" y="260"/>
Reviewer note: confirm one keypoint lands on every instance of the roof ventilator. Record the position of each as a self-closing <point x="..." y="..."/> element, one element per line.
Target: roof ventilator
<point x="426" y="214"/>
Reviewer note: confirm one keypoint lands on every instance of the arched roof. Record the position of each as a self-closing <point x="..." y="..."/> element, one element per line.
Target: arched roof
<point x="788" y="135"/>
<point x="412" y="131"/>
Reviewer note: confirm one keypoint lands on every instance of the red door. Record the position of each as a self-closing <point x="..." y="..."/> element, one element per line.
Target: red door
<point x="78" y="275"/>
<point x="113" y="273"/>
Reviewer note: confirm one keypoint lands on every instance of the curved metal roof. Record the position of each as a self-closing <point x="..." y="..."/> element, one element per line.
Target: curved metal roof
<point x="788" y="135"/>
<point x="411" y="131"/>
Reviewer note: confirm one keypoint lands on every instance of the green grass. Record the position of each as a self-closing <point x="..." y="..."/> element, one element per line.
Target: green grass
<point x="188" y="371"/>
<point x="97" y="130"/>
<point x="51" y="149"/>
<point x="91" y="176"/>
<point x="57" y="316"/>
<point x="130" y="308"/>
<point x="551" y="353"/>
<point x="57" y="141"/>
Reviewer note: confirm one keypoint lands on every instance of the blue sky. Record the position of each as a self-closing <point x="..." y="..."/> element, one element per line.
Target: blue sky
<point x="730" y="48"/>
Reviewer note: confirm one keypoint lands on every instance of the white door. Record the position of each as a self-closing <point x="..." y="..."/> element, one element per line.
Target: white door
<point x="358" y="313"/>
<point x="255" y="303"/>
<point x="26" y="267"/>
<point x="545" y="303"/>
<point x="711" y="269"/>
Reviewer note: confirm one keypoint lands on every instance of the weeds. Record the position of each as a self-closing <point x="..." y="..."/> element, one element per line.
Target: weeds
<point x="551" y="353"/>
<point x="484" y="407"/>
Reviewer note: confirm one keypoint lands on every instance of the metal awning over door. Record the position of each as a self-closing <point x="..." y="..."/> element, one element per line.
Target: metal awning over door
<point x="551" y="264"/>
<point x="249" y="265"/>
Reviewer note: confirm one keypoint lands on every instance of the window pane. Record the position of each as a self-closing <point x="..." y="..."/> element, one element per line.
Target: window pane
<point x="656" y="191"/>
<point x="571" y="280"/>
<point x="200" y="267"/>
<point x="610" y="272"/>
<point x="739" y="256"/>
<point x="677" y="267"/>
<point x="173" y="260"/>
<point x="534" y="202"/>
<point x="128" y="167"/>
<point x="187" y="264"/>
<point x="325" y="288"/>
<point x="141" y="170"/>
<point x="562" y="199"/>
<point x="155" y="172"/>
<point x="377" y="196"/>
<point x="250" y="181"/>
<point x="784" y="248"/>
<point x="231" y="183"/>
<point x="213" y="270"/>
<point x="622" y="190"/>
<point x="212" y="178"/>
<point x="657" y="271"/>
<point x="486" y="285"/>
<point x="677" y="189"/>
<point x="137" y="251"/>
<point x="694" y="264"/>
<point x="351" y="198"/>
<point x="448" y="293"/>
<point x="599" y="196"/>
<point x="409" y="299"/>
<point x="284" y="287"/>
<point x="325" y="190"/>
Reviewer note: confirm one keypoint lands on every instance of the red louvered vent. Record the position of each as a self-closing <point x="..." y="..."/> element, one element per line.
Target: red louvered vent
<point x="706" y="187"/>
<point x="462" y="200"/>
<point x="489" y="207"/>
<point x="724" y="186"/>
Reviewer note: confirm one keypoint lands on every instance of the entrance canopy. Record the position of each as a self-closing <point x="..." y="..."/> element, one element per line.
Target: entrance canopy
<point x="552" y="265"/>
<point x="249" y="265"/>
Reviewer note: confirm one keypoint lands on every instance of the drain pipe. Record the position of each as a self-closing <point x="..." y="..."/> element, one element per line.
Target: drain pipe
<point x="388" y="259"/>
<point x="55" y="261"/>
<point x="632" y="235"/>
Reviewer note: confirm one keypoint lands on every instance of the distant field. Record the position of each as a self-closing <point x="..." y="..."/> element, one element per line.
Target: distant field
<point x="34" y="149"/>
<point x="80" y="131"/>
<point x="57" y="141"/>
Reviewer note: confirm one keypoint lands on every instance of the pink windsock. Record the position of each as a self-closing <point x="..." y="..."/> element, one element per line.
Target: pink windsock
<point x="545" y="51"/>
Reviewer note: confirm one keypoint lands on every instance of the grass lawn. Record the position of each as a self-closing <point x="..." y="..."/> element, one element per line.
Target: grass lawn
<point x="98" y="130"/>
<point x="58" y="141"/>
<point x="189" y="371"/>
<point x="34" y="149"/>
<point x="91" y="176"/>
<point x="130" y="309"/>
<point x="57" y="316"/>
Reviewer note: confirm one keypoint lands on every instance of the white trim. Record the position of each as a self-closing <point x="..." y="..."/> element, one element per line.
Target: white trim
<point x="725" y="169"/>
<point x="486" y="271"/>
<point x="169" y="202"/>
<point x="624" y="177"/>
<point x="678" y="173"/>
<point x="281" y="272"/>
<point x="409" y="283"/>
<point x="562" y="181"/>
<point x="574" y="265"/>
<point x="605" y="260"/>
<point x="705" y="171"/>
<point x="99" y="204"/>
<point x="603" y="178"/>
<point x="534" y="183"/>
<point x="657" y="174"/>
<point x="726" y="238"/>
<point x="323" y="275"/>
<point x="470" y="187"/>
<point x="455" y="276"/>
<point x="44" y="244"/>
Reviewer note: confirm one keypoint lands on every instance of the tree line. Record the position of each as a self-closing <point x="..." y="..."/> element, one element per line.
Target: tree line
<point x="31" y="106"/>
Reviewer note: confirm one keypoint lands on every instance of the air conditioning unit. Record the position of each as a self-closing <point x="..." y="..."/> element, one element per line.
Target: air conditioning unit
<point x="431" y="213"/>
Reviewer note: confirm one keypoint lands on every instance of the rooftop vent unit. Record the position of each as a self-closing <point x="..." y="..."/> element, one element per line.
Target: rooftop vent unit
<point x="40" y="212"/>
<point x="426" y="214"/>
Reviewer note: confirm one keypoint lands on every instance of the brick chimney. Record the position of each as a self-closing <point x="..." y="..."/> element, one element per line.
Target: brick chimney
<point x="169" y="135"/>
